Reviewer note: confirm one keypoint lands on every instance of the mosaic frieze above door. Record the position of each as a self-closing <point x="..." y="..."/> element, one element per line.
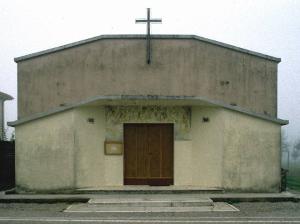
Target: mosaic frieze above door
<point x="116" y="116"/>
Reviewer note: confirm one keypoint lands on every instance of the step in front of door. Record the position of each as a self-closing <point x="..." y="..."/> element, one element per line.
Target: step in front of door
<point x="149" y="208"/>
<point x="152" y="203"/>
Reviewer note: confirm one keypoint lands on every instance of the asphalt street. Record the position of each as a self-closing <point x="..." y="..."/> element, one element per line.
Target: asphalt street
<point x="254" y="212"/>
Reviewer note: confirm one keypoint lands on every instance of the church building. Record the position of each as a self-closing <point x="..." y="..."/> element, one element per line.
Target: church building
<point x="104" y="112"/>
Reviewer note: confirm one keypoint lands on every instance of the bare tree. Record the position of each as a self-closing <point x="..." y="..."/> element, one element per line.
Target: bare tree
<point x="285" y="145"/>
<point x="13" y="136"/>
<point x="8" y="137"/>
<point x="285" y="150"/>
<point x="296" y="150"/>
<point x="4" y="137"/>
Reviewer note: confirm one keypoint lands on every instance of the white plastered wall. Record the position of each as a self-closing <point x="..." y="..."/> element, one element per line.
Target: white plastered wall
<point x="232" y="151"/>
<point x="45" y="153"/>
<point x="199" y="162"/>
<point x="94" y="168"/>
<point x="251" y="154"/>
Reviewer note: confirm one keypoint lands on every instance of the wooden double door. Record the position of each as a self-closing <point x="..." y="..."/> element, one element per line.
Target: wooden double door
<point x="148" y="154"/>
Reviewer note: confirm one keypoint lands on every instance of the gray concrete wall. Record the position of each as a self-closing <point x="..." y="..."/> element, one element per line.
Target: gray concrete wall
<point x="118" y="67"/>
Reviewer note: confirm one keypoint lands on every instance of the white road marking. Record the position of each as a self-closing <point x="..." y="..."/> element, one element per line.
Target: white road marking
<point x="233" y="207"/>
<point x="44" y="219"/>
<point x="69" y="207"/>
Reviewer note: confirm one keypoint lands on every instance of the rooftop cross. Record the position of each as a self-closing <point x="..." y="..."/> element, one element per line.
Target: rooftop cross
<point x="148" y="37"/>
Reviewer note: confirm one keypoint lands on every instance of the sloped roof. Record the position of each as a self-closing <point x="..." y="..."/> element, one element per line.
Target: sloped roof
<point x="4" y="96"/>
<point x="147" y="100"/>
<point x="135" y="36"/>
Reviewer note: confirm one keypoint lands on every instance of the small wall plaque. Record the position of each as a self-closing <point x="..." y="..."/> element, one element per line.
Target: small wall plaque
<point x="113" y="148"/>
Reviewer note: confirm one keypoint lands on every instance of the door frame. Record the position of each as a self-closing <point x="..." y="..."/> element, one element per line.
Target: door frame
<point x="155" y="182"/>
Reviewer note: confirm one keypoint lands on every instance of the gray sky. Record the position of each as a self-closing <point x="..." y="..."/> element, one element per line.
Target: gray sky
<point x="270" y="27"/>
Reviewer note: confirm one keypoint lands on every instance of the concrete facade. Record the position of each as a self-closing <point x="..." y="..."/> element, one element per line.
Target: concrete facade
<point x="231" y="151"/>
<point x="221" y="99"/>
<point x="179" y="67"/>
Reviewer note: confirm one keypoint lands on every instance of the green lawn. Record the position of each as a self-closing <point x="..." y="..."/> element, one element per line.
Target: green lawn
<point x="293" y="183"/>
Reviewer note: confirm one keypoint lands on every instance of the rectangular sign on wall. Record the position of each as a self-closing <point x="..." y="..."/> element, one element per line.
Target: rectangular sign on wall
<point x="113" y="148"/>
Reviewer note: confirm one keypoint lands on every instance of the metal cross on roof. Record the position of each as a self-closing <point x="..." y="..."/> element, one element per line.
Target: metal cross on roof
<point x="148" y="36"/>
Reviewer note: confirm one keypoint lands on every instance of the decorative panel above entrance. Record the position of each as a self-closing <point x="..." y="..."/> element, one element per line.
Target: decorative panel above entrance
<point x="116" y="116"/>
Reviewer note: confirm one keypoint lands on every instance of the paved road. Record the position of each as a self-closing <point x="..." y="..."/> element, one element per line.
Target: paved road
<point x="260" y="212"/>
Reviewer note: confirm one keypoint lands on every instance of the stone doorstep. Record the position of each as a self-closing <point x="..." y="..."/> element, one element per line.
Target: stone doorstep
<point x="142" y="189"/>
<point x="147" y="187"/>
<point x="152" y="202"/>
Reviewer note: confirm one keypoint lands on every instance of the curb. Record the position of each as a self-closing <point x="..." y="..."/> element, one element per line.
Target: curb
<point x="85" y="200"/>
<point x="255" y="199"/>
<point x="44" y="200"/>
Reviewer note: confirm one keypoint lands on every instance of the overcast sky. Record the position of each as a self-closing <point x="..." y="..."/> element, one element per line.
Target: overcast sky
<point x="270" y="27"/>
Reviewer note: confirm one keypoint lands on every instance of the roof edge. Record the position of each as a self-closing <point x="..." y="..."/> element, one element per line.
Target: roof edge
<point x="147" y="97"/>
<point x="141" y="36"/>
<point x="5" y="96"/>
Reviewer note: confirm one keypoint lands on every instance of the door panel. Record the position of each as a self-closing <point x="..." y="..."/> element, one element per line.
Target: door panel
<point x="167" y="151"/>
<point x="148" y="154"/>
<point x="154" y="139"/>
<point x="142" y="153"/>
<point x="130" y="146"/>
